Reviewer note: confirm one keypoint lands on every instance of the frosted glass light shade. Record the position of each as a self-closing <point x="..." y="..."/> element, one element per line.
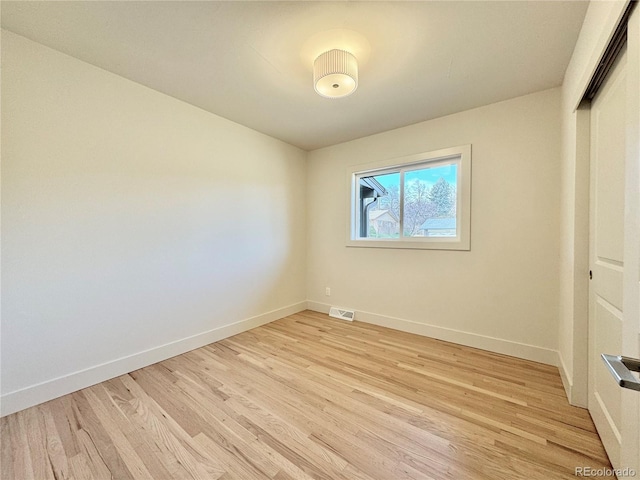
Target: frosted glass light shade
<point x="335" y="74"/>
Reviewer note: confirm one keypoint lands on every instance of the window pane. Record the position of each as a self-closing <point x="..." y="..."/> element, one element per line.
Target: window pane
<point x="430" y="199"/>
<point x="382" y="214"/>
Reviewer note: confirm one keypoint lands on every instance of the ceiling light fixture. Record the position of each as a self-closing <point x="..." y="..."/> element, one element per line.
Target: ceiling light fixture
<point x="335" y="74"/>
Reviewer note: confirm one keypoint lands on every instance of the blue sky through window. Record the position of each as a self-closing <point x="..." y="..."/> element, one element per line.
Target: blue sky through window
<point x="427" y="175"/>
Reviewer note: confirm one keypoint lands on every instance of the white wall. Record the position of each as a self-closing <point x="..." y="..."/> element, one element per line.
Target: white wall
<point x="503" y="294"/>
<point x="598" y="26"/>
<point x="134" y="226"/>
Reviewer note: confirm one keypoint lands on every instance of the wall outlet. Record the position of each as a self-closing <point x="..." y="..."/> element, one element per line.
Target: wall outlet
<point x="327" y="291"/>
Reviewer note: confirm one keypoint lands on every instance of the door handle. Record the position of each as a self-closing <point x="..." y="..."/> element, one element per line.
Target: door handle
<point x="621" y="368"/>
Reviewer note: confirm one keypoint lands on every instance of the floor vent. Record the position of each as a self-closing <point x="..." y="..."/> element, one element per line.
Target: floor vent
<point x="342" y="313"/>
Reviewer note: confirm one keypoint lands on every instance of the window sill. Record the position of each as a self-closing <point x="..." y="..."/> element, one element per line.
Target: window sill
<point x="439" y="244"/>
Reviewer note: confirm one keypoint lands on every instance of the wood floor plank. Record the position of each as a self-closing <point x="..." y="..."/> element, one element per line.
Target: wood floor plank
<point x="80" y="468"/>
<point x="100" y="405"/>
<point x="36" y="432"/>
<point x="310" y="397"/>
<point x="6" y="449"/>
<point x="169" y="435"/>
<point x="55" y="451"/>
<point x="100" y="448"/>
<point x="22" y="463"/>
<point x="120" y="405"/>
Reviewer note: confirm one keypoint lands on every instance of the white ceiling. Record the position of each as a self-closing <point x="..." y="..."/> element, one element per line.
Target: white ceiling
<point x="251" y="62"/>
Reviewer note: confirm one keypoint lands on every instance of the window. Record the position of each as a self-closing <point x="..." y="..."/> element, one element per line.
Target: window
<point x="419" y="201"/>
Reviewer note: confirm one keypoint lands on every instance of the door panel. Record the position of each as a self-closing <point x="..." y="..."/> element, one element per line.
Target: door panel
<point x="608" y="321"/>
<point x="609" y="281"/>
<point x="608" y="116"/>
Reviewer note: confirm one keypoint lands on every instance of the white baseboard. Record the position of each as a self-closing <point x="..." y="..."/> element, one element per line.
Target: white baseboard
<point x="492" y="344"/>
<point x="35" y="394"/>
<point x="576" y="394"/>
<point x="566" y="378"/>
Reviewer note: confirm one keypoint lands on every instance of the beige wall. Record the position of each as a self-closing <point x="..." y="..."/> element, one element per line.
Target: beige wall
<point x="134" y="226"/>
<point x="599" y="24"/>
<point x="503" y="294"/>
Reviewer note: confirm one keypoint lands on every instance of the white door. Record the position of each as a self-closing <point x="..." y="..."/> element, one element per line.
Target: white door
<point x="614" y="255"/>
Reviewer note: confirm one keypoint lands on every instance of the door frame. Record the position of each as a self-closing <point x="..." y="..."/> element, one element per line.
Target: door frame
<point x="630" y="453"/>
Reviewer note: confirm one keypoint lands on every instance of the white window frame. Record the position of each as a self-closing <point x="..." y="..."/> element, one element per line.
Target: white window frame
<point x="460" y="155"/>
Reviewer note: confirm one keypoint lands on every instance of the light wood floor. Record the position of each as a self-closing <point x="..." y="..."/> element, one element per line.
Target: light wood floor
<point x="311" y="397"/>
